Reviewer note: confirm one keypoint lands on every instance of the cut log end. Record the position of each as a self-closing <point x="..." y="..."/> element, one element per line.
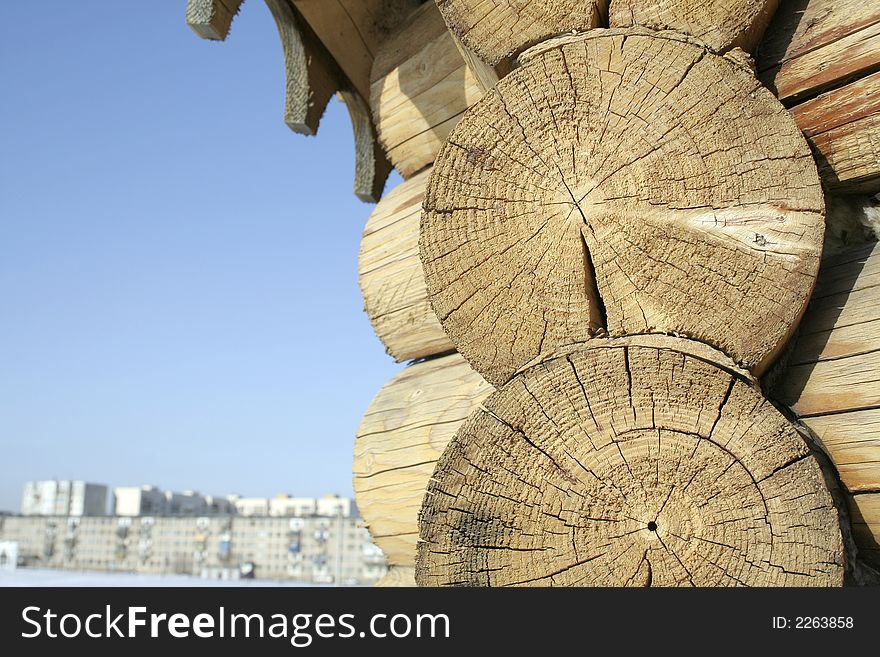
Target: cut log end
<point x="211" y="19"/>
<point x="498" y="29"/>
<point x="624" y="181"/>
<point x="628" y="466"/>
<point x="720" y="24"/>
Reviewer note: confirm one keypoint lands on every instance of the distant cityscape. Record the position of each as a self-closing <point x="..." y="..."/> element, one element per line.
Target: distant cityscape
<point x="78" y="525"/>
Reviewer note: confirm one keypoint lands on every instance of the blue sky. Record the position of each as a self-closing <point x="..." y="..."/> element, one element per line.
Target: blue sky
<point x="178" y="270"/>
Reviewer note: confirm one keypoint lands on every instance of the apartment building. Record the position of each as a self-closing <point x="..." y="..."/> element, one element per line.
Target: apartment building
<point x="314" y="549"/>
<point x="63" y="497"/>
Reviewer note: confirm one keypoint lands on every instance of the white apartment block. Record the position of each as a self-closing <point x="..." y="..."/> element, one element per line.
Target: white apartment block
<point x="139" y="501"/>
<point x="8" y="555"/>
<point x="63" y="498"/>
<point x="315" y="549"/>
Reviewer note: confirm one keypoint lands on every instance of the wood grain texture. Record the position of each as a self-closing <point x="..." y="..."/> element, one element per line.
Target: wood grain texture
<point x="853" y="441"/>
<point x="865" y="510"/>
<point x="312" y="78"/>
<point x="628" y="466"/>
<point x="211" y="19"/>
<point x="352" y="31"/>
<point x="843" y="129"/>
<point x="833" y="381"/>
<point x="398" y="442"/>
<point x="835" y="364"/>
<point x="391" y="277"/>
<point x="626" y="181"/>
<point x="813" y="45"/>
<point x="720" y="24"/>
<point x="498" y="29"/>
<point x="420" y="86"/>
<point x="371" y="166"/>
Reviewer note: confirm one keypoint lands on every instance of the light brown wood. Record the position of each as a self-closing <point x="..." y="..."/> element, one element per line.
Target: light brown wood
<point x="398" y="577"/>
<point x="833" y="380"/>
<point x="398" y="442"/>
<point x="211" y="19"/>
<point x="865" y="510"/>
<point x="391" y="277"/>
<point x="835" y="364"/>
<point x="720" y="24"/>
<point x="497" y="29"/>
<point x="628" y="466"/>
<point x="485" y="75"/>
<point x="843" y="128"/>
<point x="420" y="88"/>
<point x="626" y="181"/>
<point x="312" y="78"/>
<point x="352" y="31"/>
<point x="853" y="441"/>
<point x="813" y="45"/>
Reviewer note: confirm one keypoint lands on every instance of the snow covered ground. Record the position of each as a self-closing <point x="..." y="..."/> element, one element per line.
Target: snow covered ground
<point x="44" y="577"/>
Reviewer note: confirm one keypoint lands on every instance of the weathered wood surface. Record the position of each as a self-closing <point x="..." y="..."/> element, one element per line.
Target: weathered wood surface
<point x="813" y="45"/>
<point x="391" y="277"/>
<point x="211" y="19"/>
<point x="311" y="77"/>
<point x="843" y="128"/>
<point x="865" y="513"/>
<point x="835" y="364"/>
<point x="833" y="377"/>
<point x="398" y="577"/>
<point x="628" y="466"/>
<point x="313" y="74"/>
<point x="371" y="166"/>
<point x="400" y="438"/>
<point x="720" y="24"/>
<point x="833" y="380"/>
<point x="498" y="29"/>
<point x="626" y="181"/>
<point x="420" y="88"/>
<point x="352" y="31"/>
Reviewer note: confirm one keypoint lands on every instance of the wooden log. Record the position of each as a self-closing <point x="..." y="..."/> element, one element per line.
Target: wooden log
<point x="835" y="363"/>
<point x="211" y="19"/>
<point x="628" y="466"/>
<point x="311" y="77"/>
<point x="498" y="29"/>
<point x="843" y="129"/>
<point x="391" y="277"/>
<point x="865" y="512"/>
<point x="720" y="24"/>
<point x="352" y="31"/>
<point x="814" y="45"/>
<point x="627" y="181"/>
<point x="833" y="381"/>
<point x="420" y="86"/>
<point x="398" y="577"/>
<point x="400" y="439"/>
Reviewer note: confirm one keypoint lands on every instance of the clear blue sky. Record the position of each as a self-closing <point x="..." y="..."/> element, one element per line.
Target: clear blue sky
<point x="178" y="270"/>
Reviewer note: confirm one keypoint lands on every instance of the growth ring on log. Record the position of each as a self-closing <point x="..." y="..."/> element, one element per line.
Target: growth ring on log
<point x="720" y="24"/>
<point x="497" y="29"/>
<point x="628" y="466"/>
<point x="628" y="181"/>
